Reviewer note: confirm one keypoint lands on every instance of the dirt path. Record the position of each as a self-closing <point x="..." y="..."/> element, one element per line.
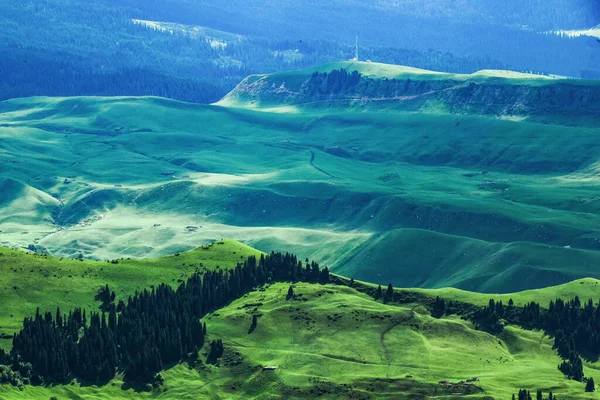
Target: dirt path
<point x="382" y="339"/>
<point x="312" y="163"/>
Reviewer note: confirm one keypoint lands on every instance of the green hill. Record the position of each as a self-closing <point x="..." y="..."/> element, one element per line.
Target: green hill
<point x="29" y="281"/>
<point x="384" y="87"/>
<point x="328" y="341"/>
<point x="457" y="194"/>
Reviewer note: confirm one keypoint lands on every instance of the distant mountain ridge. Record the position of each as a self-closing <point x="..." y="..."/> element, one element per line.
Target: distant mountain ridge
<point x="388" y="87"/>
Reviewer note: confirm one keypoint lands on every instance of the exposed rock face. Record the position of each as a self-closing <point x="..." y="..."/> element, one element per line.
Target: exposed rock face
<point x="569" y="102"/>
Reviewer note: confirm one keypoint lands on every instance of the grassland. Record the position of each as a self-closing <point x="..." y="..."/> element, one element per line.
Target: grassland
<point x="435" y="198"/>
<point x="329" y="341"/>
<point x="334" y="342"/>
<point x="29" y="281"/>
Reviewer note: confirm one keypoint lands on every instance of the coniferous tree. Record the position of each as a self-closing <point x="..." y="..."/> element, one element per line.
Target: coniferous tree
<point x="439" y="307"/>
<point x="389" y="294"/>
<point x="253" y="323"/>
<point x="590" y="386"/>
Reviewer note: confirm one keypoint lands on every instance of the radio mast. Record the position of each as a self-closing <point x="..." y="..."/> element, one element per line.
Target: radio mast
<point x="356" y="50"/>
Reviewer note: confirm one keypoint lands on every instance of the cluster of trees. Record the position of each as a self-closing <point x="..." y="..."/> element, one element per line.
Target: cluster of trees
<point x="575" y="327"/>
<point x="334" y="82"/>
<point x="153" y="329"/>
<point x="572" y="367"/>
<point x="590" y="385"/>
<point x="216" y="351"/>
<point x="438" y="309"/>
<point x="526" y="395"/>
<point x="491" y="318"/>
<point x="387" y="297"/>
<point x="564" y="98"/>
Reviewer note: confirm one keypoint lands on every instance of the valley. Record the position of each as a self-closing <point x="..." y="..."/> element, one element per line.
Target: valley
<point x="257" y="199"/>
<point x="484" y="201"/>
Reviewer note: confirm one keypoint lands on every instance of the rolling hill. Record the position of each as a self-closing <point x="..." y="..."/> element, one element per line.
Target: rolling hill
<point x="398" y="174"/>
<point x="329" y="340"/>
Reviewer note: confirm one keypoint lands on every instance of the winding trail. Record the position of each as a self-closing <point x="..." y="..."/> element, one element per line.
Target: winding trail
<point x="382" y="339"/>
<point x="312" y="163"/>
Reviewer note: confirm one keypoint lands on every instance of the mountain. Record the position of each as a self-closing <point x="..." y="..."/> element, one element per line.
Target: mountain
<point x="388" y="174"/>
<point x="383" y="87"/>
<point x="197" y="51"/>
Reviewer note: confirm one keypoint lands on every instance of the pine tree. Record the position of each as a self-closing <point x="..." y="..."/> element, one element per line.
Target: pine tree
<point x="253" y="323"/>
<point x="590" y="386"/>
<point x="389" y="294"/>
<point x="290" y="293"/>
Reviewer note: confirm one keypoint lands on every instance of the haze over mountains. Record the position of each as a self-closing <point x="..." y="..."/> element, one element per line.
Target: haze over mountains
<point x="98" y="49"/>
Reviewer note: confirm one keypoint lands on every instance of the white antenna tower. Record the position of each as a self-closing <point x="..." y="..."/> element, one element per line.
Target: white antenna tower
<point x="356" y="50"/>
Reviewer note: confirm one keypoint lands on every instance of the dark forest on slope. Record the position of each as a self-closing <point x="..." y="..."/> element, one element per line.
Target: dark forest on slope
<point x="96" y="49"/>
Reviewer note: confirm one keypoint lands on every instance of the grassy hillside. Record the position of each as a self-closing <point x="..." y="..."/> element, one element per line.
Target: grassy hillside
<point x="334" y="342"/>
<point x="384" y="87"/>
<point x="29" y="281"/>
<point x="493" y="203"/>
<point x="329" y="341"/>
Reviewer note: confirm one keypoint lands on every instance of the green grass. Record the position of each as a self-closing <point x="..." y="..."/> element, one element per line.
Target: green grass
<point x="585" y="289"/>
<point x="427" y="199"/>
<point x="29" y="281"/>
<point x="336" y="341"/>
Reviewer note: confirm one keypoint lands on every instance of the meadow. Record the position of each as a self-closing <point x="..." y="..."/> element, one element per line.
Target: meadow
<point x="328" y="341"/>
<point x="423" y="198"/>
<point x="29" y="281"/>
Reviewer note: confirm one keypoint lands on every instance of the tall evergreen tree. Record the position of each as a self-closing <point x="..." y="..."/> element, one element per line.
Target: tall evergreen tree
<point x="389" y="294"/>
<point x="590" y="386"/>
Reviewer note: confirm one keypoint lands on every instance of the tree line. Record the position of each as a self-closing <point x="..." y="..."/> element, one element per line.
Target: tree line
<point x="539" y="395"/>
<point x="152" y="330"/>
<point x="575" y="327"/>
<point x="158" y="327"/>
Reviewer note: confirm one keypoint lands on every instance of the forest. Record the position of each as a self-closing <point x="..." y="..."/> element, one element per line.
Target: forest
<point x="97" y="50"/>
<point x="151" y="331"/>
